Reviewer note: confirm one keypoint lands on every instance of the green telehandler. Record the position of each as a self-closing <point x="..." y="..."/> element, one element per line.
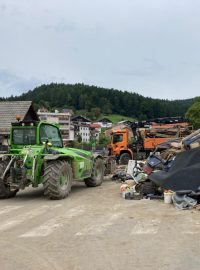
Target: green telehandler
<point x="36" y="156"/>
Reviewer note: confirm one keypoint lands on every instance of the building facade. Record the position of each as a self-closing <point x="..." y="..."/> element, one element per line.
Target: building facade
<point x="95" y="130"/>
<point x="63" y="119"/>
<point x="105" y="123"/>
<point x="84" y="131"/>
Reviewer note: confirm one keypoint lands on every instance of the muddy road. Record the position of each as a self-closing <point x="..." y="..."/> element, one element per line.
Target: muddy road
<point x="95" y="229"/>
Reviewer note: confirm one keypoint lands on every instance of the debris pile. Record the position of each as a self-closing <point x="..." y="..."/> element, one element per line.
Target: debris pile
<point x="167" y="132"/>
<point x="172" y="175"/>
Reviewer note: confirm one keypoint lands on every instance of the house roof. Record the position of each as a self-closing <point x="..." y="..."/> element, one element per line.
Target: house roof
<point x="80" y="118"/>
<point x="95" y="126"/>
<point x="105" y="120"/>
<point x="9" y="110"/>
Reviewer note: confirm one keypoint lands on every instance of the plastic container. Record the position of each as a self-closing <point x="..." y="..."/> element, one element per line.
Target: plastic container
<point x="168" y="197"/>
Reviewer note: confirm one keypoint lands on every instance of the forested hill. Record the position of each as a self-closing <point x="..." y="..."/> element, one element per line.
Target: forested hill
<point x="84" y="97"/>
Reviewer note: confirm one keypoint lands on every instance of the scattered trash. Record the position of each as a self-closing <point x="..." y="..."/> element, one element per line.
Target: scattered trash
<point x="124" y="187"/>
<point x="128" y="191"/>
<point x="154" y="197"/>
<point x="121" y="176"/>
<point x="172" y="176"/>
<point x="130" y="182"/>
<point x="183" y="202"/>
<point x="133" y="196"/>
<point x="168" y="196"/>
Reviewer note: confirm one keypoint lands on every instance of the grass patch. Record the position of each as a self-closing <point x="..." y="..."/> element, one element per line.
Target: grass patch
<point x="117" y="117"/>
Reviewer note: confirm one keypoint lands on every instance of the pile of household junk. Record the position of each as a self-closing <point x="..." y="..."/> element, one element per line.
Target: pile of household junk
<point x="171" y="172"/>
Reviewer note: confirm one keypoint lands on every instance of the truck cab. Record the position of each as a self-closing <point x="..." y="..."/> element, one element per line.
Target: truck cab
<point x="120" y="146"/>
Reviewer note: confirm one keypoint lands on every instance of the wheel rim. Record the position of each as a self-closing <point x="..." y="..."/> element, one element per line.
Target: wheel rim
<point x="64" y="179"/>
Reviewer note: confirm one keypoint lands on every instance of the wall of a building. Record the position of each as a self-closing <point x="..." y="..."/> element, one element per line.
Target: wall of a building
<point x="63" y="119"/>
<point x="84" y="131"/>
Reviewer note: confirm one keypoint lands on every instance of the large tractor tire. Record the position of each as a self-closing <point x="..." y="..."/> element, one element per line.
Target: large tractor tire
<point x="97" y="176"/>
<point x="5" y="191"/>
<point x="124" y="158"/>
<point x="57" y="180"/>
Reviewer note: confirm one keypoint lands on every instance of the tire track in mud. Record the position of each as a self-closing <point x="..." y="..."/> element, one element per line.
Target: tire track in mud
<point x="53" y="224"/>
<point x="25" y="217"/>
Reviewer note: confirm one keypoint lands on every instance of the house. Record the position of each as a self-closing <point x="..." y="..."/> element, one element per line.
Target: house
<point x="79" y="119"/>
<point x="84" y="132"/>
<point x="9" y="110"/>
<point x="125" y="122"/>
<point x="81" y="127"/>
<point x="95" y="130"/>
<point x="68" y="111"/>
<point x="64" y="121"/>
<point x="105" y="122"/>
<point x="43" y="109"/>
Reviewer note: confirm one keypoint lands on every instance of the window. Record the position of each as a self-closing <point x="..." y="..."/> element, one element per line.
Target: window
<point x="24" y="136"/>
<point x="63" y="117"/>
<point x="51" y="134"/>
<point x="117" y="138"/>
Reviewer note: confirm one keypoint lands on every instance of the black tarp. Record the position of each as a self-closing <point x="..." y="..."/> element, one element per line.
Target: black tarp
<point x="184" y="173"/>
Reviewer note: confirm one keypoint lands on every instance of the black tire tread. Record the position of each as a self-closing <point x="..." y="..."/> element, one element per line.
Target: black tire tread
<point x="92" y="181"/>
<point x="5" y="192"/>
<point x="122" y="161"/>
<point x="51" y="180"/>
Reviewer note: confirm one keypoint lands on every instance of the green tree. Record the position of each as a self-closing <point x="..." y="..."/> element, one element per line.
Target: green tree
<point x="193" y="114"/>
<point x="85" y="97"/>
<point x="79" y="139"/>
<point x="96" y="112"/>
<point x="103" y="139"/>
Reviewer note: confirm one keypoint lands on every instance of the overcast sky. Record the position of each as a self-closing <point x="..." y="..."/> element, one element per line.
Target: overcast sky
<point x="151" y="47"/>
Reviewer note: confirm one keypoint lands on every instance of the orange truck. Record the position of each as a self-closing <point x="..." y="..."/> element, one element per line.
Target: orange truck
<point x="124" y="146"/>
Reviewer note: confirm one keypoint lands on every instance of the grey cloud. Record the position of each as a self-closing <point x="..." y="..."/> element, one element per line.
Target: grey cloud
<point x="61" y="27"/>
<point x="156" y="65"/>
<point x="11" y="83"/>
<point x="2" y="9"/>
<point x="149" y="68"/>
<point x="132" y="72"/>
<point x="190" y="64"/>
<point x="148" y="45"/>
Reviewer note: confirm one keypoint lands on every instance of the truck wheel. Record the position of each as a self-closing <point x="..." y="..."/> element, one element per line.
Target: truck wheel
<point x="57" y="180"/>
<point x="5" y="191"/>
<point x="124" y="159"/>
<point x="97" y="174"/>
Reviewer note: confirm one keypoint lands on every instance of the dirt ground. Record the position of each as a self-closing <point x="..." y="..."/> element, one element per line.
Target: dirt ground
<point x="95" y="228"/>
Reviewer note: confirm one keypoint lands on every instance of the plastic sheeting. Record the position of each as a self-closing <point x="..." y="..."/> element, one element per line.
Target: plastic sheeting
<point x="184" y="173"/>
<point x="183" y="202"/>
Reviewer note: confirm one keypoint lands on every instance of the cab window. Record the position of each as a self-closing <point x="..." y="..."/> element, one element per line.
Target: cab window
<point x="117" y="138"/>
<point x="23" y="136"/>
<point x="51" y="134"/>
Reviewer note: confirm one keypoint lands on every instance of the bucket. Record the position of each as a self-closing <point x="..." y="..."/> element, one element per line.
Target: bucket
<point x="168" y="197"/>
